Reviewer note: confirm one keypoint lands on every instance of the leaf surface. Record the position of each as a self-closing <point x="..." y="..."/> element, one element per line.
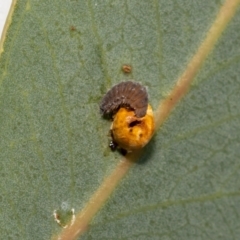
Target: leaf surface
<point x="60" y="58"/>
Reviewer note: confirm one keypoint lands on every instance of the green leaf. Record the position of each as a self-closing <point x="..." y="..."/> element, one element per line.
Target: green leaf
<point x="60" y="57"/>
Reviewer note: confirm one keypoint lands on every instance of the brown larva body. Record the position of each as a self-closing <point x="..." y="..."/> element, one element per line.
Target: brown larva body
<point x="125" y="94"/>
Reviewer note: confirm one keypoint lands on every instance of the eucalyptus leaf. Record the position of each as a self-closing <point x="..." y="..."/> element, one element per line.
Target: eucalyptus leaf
<point x="60" y="58"/>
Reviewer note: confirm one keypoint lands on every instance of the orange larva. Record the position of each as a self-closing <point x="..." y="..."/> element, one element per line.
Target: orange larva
<point x="128" y="94"/>
<point x="133" y="122"/>
<point x="130" y="132"/>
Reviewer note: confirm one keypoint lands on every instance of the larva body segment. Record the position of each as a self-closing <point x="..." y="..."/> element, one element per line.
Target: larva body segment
<point x="125" y="94"/>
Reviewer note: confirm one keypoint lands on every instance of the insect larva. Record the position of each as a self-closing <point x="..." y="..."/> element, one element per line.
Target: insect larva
<point x="127" y="94"/>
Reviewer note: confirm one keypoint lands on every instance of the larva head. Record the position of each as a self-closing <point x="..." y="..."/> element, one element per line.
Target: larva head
<point x="130" y="132"/>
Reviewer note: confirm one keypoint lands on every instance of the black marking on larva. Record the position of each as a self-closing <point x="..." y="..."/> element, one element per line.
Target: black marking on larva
<point x="127" y="94"/>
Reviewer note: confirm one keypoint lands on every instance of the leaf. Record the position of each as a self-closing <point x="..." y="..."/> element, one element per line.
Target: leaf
<point x="59" y="59"/>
